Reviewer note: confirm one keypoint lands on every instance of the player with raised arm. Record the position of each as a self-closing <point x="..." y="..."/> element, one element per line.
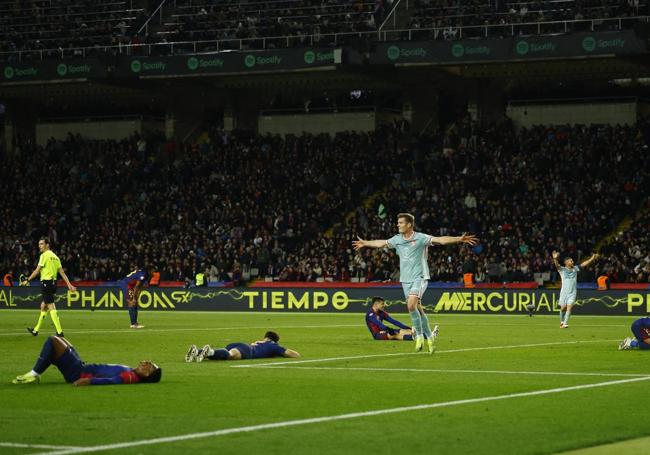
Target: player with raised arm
<point x="263" y="349"/>
<point x="569" y="290"/>
<point x="59" y="352"/>
<point x="49" y="266"/>
<point x="412" y="248"/>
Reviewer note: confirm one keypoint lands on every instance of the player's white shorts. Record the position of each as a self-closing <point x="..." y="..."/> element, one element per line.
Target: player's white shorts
<point x="567" y="299"/>
<point x="418" y="288"/>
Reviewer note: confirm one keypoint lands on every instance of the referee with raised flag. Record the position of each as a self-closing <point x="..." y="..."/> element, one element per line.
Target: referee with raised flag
<point x="49" y="266"/>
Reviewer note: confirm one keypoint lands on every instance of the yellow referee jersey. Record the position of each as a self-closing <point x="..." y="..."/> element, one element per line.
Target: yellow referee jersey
<point x="50" y="265"/>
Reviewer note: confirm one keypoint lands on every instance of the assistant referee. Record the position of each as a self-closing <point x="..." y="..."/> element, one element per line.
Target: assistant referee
<point x="49" y="265"/>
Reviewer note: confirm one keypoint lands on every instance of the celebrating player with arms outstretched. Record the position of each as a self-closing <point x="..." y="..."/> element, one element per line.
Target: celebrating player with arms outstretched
<point x="569" y="291"/>
<point x="412" y="248"/>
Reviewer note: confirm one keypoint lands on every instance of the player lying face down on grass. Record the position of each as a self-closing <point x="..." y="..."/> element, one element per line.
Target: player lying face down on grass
<point x="641" y="330"/>
<point x="375" y="318"/>
<point x="263" y="349"/>
<point x="59" y="352"/>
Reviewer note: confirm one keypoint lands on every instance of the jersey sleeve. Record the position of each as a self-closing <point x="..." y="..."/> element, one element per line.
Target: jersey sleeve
<point x="126" y="377"/>
<point x="374" y="319"/>
<point x="279" y="350"/>
<point x="57" y="262"/>
<point x="41" y="261"/>
<point x="426" y="239"/>
<point x="395" y="322"/>
<point x="393" y="241"/>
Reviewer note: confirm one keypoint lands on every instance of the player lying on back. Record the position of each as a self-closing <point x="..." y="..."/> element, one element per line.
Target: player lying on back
<point x="641" y="330"/>
<point x="569" y="291"/>
<point x="263" y="349"/>
<point x="59" y="352"/>
<point x="375" y="318"/>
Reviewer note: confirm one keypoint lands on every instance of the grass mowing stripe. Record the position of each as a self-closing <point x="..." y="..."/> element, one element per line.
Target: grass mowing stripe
<point x="355" y="415"/>
<point x="438" y="370"/>
<point x="18" y="445"/>
<point x="482" y="348"/>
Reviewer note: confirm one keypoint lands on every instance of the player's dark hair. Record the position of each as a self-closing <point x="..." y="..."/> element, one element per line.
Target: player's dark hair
<point x="272" y="336"/>
<point x="566" y="259"/>
<point x="377" y="299"/>
<point x="408" y="217"/>
<point x="45" y="239"/>
<point x="153" y="377"/>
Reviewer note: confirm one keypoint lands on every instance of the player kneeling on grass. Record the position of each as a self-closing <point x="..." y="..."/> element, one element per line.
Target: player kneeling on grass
<point x="641" y="330"/>
<point x="263" y="349"/>
<point x="60" y="352"/>
<point x="375" y="318"/>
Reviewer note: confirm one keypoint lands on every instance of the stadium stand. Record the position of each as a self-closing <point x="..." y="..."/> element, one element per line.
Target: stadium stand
<point x="42" y="29"/>
<point x="276" y="207"/>
<point x="545" y="209"/>
<point x="482" y="18"/>
<point x="301" y="22"/>
<point x="80" y="28"/>
<point x="628" y="255"/>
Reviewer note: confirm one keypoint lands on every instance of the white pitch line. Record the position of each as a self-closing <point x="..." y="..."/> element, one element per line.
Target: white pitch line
<point x="354" y="415"/>
<point x="483" y="348"/>
<point x="36" y="446"/>
<point x="439" y="370"/>
<point x="194" y="329"/>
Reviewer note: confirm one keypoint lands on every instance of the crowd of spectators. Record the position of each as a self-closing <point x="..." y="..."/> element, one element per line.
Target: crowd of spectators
<point x="627" y="255"/>
<point x="78" y="28"/>
<point x="505" y="18"/>
<point x="43" y="29"/>
<point x="235" y="202"/>
<point x="300" y="22"/>
<point x="523" y="192"/>
<point x="241" y="205"/>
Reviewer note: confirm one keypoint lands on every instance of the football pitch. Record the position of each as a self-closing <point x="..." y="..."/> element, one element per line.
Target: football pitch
<point x="496" y="385"/>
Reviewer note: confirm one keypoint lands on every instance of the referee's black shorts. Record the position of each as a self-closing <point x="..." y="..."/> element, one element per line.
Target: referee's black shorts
<point x="48" y="289"/>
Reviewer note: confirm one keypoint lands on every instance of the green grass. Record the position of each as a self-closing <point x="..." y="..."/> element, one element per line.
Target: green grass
<point x="214" y="395"/>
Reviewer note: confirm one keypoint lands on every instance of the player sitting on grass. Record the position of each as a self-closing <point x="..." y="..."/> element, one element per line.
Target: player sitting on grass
<point x="569" y="291"/>
<point x="60" y="352"/>
<point x="266" y="348"/>
<point x="375" y="318"/>
<point x="641" y="330"/>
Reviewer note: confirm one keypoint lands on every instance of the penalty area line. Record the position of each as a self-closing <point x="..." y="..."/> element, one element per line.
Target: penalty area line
<point x="440" y="370"/>
<point x="447" y="351"/>
<point x="350" y="416"/>
<point x="19" y="445"/>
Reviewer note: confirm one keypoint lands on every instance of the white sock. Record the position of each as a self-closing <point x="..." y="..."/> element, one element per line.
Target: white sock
<point x="33" y="373"/>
